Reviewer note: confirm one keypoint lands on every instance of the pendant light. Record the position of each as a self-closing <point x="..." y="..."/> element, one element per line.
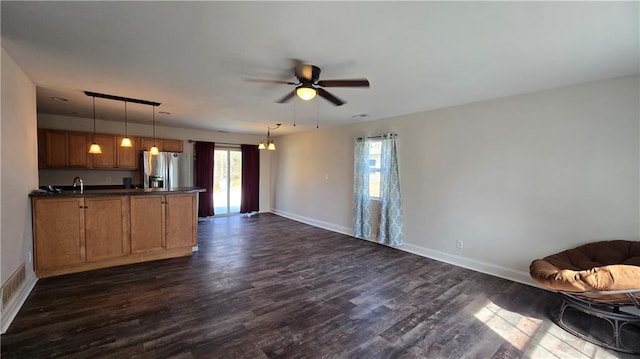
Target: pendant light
<point x="268" y="144"/>
<point x="95" y="148"/>
<point x="126" y="141"/>
<point x="154" y="150"/>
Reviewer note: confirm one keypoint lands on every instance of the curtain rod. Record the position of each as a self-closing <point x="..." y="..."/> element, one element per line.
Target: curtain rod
<point x="377" y="137"/>
<point x="217" y="143"/>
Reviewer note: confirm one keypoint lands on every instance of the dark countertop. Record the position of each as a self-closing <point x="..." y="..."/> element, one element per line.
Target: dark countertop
<point x="114" y="192"/>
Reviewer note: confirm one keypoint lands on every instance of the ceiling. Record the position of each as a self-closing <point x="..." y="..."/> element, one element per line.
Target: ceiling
<point x="195" y="57"/>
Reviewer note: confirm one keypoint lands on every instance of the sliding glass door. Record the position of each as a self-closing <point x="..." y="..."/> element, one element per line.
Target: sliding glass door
<point x="227" y="181"/>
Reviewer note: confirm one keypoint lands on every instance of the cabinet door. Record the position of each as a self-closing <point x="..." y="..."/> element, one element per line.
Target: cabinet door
<point x="181" y="220"/>
<point x="128" y="157"/>
<point x="172" y="145"/>
<point x="78" y="149"/>
<point x="56" y="149"/>
<point x="147" y="223"/>
<point x="106" y="159"/>
<point x="59" y="232"/>
<point x="106" y="227"/>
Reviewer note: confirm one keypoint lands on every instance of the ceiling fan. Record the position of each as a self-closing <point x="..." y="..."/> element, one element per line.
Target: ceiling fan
<point x="309" y="84"/>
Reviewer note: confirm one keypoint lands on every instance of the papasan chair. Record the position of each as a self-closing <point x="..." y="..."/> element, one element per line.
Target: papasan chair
<point x="601" y="279"/>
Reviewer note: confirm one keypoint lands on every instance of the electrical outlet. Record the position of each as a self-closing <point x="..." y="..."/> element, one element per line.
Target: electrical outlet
<point x="30" y="257"/>
<point x="108" y="180"/>
<point x="460" y="244"/>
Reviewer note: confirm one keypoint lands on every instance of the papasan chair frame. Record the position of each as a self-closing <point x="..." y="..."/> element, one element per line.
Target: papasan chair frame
<point x="601" y="279"/>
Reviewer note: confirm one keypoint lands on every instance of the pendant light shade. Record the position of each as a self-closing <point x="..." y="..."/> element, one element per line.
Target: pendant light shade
<point x="95" y="148"/>
<point x="154" y="150"/>
<point x="126" y="141"/>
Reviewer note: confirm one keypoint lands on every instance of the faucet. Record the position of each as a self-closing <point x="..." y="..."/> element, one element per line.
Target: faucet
<point x="75" y="183"/>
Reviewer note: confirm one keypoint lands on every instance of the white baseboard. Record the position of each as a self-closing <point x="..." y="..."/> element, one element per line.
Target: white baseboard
<point x="478" y="266"/>
<point x="314" y="222"/>
<point x="10" y="311"/>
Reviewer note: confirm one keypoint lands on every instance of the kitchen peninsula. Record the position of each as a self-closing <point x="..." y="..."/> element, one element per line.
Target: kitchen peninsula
<point x="77" y="231"/>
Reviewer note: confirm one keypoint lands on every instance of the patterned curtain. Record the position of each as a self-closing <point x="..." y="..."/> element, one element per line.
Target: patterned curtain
<point x="390" y="203"/>
<point x="361" y="203"/>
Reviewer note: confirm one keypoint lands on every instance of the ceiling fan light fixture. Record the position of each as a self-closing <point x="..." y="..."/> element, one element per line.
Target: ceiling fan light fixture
<point x="306" y="93"/>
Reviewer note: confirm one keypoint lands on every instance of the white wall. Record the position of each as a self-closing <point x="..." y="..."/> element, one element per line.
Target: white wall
<point x="64" y="177"/>
<point x="515" y="178"/>
<point x="19" y="176"/>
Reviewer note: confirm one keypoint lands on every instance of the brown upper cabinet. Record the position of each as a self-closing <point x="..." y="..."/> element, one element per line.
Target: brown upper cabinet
<point x="56" y="148"/>
<point x="65" y="149"/>
<point x="172" y="145"/>
<point x="107" y="159"/>
<point x="69" y="149"/>
<point x="128" y="157"/>
<point x="163" y="144"/>
<point x="78" y="149"/>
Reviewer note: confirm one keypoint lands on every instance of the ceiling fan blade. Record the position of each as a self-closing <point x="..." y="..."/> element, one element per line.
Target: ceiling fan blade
<point x="344" y="83"/>
<point x="272" y="81"/>
<point x="329" y="97"/>
<point x="287" y="97"/>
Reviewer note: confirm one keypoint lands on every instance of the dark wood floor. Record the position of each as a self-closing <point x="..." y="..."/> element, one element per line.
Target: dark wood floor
<point x="269" y="287"/>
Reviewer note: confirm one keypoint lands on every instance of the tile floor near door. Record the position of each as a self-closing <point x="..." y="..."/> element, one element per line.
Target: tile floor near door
<point x="269" y="287"/>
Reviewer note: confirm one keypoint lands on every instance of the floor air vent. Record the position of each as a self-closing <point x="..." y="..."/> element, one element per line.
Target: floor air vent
<point x="12" y="285"/>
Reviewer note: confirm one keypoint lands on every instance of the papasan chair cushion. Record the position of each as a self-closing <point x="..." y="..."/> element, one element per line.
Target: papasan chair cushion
<point x="599" y="266"/>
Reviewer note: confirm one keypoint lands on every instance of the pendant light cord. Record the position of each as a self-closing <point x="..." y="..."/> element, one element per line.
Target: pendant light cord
<point x="154" y="126"/>
<point x="94" y="119"/>
<point x="126" y="133"/>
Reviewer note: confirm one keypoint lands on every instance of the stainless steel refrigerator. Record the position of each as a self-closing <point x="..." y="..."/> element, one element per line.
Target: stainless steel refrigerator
<point x="166" y="170"/>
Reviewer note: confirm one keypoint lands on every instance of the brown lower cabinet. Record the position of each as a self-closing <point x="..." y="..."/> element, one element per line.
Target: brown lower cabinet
<point x="59" y="232"/>
<point x="76" y="234"/>
<point x="106" y="227"/>
<point x="162" y="222"/>
<point x="147" y="224"/>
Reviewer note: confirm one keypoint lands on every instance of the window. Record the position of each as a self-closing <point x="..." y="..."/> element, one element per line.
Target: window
<point x="375" y="149"/>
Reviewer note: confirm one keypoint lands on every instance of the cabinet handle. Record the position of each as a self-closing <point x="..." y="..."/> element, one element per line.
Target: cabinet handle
<point x="83" y="207"/>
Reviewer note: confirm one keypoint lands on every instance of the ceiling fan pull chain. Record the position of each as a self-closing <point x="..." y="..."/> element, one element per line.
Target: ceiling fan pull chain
<point x="317" y="111"/>
<point x="294" y="114"/>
